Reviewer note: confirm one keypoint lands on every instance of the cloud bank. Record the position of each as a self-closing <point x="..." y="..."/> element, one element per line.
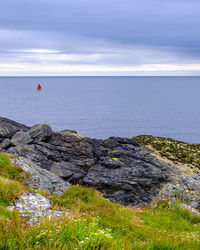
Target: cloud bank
<point x="98" y="37"/>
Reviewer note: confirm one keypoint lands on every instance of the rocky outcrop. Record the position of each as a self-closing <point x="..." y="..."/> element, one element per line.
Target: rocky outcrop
<point x="118" y="167"/>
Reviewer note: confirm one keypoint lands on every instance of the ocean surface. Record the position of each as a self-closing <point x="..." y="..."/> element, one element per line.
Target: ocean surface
<point x="100" y="107"/>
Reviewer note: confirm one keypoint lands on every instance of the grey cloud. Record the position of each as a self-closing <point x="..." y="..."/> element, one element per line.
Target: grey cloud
<point x="124" y="32"/>
<point x="149" y="22"/>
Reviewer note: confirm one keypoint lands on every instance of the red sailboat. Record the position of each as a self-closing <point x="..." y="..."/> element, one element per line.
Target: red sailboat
<point x="39" y="87"/>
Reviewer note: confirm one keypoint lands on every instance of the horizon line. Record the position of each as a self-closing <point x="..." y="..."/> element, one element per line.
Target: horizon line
<point x="108" y="76"/>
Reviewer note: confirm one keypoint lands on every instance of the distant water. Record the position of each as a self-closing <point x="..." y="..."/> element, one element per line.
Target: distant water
<point x="101" y="107"/>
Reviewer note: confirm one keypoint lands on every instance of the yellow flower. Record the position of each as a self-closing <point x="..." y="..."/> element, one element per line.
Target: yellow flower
<point x="177" y="185"/>
<point x="186" y="191"/>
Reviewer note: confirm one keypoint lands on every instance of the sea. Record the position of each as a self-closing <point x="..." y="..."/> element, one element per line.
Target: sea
<point x="101" y="107"/>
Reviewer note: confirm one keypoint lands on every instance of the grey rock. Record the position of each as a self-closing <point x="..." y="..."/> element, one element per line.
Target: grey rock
<point x="5" y="143"/>
<point x="21" y="138"/>
<point x="8" y="128"/>
<point x="41" y="178"/>
<point x="86" y="163"/>
<point x="187" y="191"/>
<point x="40" y="132"/>
<point x="76" y="178"/>
<point x="34" y="206"/>
<point x="31" y="202"/>
<point x="112" y="162"/>
<point x="22" y="149"/>
<point x="62" y="169"/>
<point x="49" y="153"/>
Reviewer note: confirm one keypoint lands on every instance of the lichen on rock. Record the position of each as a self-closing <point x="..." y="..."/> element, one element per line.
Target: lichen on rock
<point x="34" y="206"/>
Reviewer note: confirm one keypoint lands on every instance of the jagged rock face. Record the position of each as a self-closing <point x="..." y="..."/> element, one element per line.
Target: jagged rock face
<point x="118" y="167"/>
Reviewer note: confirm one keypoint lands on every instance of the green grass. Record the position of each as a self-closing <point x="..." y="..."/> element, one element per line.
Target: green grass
<point x="10" y="190"/>
<point x="11" y="181"/>
<point x="93" y="222"/>
<point x="176" y="151"/>
<point x="152" y="227"/>
<point x="8" y="170"/>
<point x="166" y="218"/>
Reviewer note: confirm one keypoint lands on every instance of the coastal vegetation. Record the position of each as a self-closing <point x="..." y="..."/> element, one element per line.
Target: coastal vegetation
<point x="176" y="151"/>
<point x="92" y="222"/>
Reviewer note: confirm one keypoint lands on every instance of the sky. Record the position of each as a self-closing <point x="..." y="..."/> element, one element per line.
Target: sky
<point x="99" y="37"/>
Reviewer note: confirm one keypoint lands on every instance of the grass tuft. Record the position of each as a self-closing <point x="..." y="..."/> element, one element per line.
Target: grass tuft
<point x="10" y="171"/>
<point x="10" y="190"/>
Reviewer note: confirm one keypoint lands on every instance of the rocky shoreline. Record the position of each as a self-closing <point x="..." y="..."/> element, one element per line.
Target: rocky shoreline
<point x="123" y="170"/>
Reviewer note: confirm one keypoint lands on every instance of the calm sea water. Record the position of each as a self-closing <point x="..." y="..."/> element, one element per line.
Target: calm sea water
<point x="101" y="107"/>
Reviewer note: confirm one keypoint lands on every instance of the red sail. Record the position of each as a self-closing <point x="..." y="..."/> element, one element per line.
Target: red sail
<point x="39" y="87"/>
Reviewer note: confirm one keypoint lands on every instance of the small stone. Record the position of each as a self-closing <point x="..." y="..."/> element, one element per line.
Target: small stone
<point x="34" y="206"/>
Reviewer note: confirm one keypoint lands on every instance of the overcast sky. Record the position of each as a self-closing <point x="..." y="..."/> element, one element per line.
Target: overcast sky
<point x="99" y="37"/>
